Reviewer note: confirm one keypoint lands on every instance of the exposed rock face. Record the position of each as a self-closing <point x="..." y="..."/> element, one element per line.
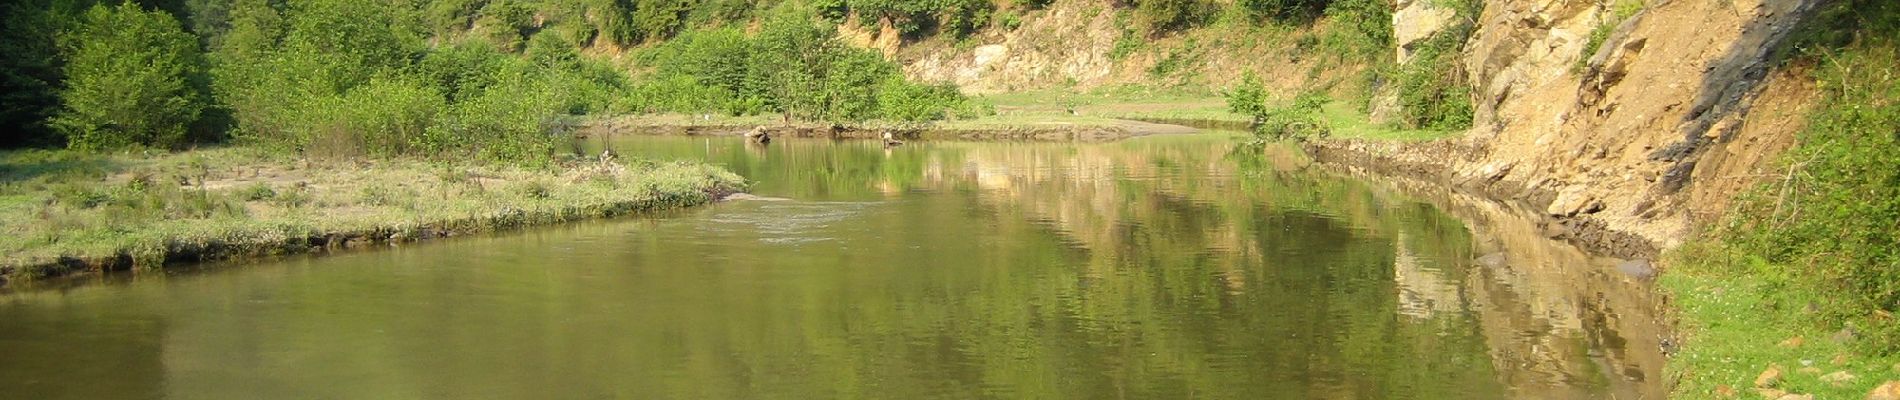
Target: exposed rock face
<point x="1070" y="44"/>
<point x="1671" y="117"/>
<point x="1631" y="143"/>
<point x="1414" y="21"/>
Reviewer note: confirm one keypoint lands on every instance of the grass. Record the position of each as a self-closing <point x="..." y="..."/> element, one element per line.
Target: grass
<point x="66" y="210"/>
<point x="1813" y="251"/>
<point x="1104" y="108"/>
<point x="1348" y="122"/>
<point x="1735" y="326"/>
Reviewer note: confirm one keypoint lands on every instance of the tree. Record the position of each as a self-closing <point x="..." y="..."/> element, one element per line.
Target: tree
<point x="127" y="80"/>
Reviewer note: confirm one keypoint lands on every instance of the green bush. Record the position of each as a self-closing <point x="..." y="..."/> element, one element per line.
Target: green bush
<point x="1365" y="27"/>
<point x="1299" y="120"/>
<point x="1829" y="225"/>
<point x="793" y="67"/>
<point x="506" y="123"/>
<point x="1288" y="11"/>
<point x="127" y="80"/>
<point x="1432" y="90"/>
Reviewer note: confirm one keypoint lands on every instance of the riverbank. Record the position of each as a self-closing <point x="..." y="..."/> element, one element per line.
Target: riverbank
<point x="69" y="212"/>
<point x="1047" y="115"/>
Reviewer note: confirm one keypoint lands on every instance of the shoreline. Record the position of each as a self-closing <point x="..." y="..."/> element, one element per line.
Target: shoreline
<point x="353" y="206"/>
<point x="1087" y="130"/>
<point x="1432" y="161"/>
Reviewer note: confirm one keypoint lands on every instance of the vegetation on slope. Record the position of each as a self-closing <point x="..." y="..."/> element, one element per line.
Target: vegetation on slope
<point x="1815" y="253"/>
<point x="447" y="79"/>
<point x="790" y="67"/>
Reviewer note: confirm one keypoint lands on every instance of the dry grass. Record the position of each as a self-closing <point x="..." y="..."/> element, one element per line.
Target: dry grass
<point x="66" y="210"/>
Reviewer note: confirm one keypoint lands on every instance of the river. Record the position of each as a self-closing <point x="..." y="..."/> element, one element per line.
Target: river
<point x="1180" y="266"/>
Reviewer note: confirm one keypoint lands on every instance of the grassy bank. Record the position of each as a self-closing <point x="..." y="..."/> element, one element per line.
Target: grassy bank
<point x="1805" y="275"/>
<point x="1113" y="109"/>
<point x="1736" y="326"/>
<point x="68" y="211"/>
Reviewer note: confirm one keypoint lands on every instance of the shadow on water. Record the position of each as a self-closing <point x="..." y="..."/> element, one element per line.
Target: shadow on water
<point x="1161" y="267"/>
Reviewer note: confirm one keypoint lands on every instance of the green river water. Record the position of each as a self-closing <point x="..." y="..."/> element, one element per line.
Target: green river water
<point x="1150" y="268"/>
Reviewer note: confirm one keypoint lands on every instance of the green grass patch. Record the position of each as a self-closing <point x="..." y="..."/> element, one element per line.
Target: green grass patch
<point x="227" y="202"/>
<point x="1816" y="250"/>
<point x="1735" y="326"/>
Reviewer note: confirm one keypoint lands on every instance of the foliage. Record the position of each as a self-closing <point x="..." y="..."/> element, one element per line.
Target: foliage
<point x="1431" y="87"/>
<point x="1367" y="27"/>
<point x="1289" y="11"/>
<point x="343" y="78"/>
<point x="31" y="71"/>
<point x="913" y="18"/>
<point x="1301" y="119"/>
<point x="1829" y="225"/>
<point x="1161" y="16"/>
<point x="793" y="67"/>
<point x="1248" y="98"/>
<point x="127" y="80"/>
<point x="1841" y="24"/>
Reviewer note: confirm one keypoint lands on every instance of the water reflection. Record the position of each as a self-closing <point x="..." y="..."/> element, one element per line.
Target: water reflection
<point x="1163" y="267"/>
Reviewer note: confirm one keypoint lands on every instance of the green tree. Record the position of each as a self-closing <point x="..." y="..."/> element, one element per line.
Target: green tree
<point x="29" y="73"/>
<point x="127" y="81"/>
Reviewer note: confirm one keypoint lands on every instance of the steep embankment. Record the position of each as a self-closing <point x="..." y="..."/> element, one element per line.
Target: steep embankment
<point x="1630" y="123"/>
<point x="1656" y="131"/>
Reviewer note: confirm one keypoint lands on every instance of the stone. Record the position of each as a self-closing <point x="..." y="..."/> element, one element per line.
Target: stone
<point x="1846" y="334"/>
<point x="1571" y="201"/>
<point x="1770" y="393"/>
<point x="1840" y="359"/>
<point x="1556" y="229"/>
<point x="1725" y="391"/>
<point x="1886" y="391"/>
<point x="1793" y="342"/>
<point x="1493" y="260"/>
<point x="1638" y="268"/>
<point x="1769" y="378"/>
<point x="1809" y="371"/>
<point x="1838" y="378"/>
<point x="1796" y="396"/>
<point x="1415" y="20"/>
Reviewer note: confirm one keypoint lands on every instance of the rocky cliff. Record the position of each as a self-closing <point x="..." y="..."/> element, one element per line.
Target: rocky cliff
<point x="1628" y="148"/>
<point x="1680" y="109"/>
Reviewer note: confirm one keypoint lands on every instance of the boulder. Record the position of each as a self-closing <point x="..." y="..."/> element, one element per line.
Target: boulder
<point x="1769" y="378"/>
<point x="1838" y="378"/>
<point x="1886" y="391"/>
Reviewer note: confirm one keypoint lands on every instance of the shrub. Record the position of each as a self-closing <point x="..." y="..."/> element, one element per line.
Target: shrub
<point x="904" y="101"/>
<point x="1248" y="98"/>
<point x="1162" y="16"/>
<point x="1299" y="120"/>
<point x="1289" y="11"/>
<point x="127" y="80"/>
<point x="793" y="66"/>
<point x="1829" y="225"/>
<point x="506" y="123"/>
<point x="1431" y="87"/>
